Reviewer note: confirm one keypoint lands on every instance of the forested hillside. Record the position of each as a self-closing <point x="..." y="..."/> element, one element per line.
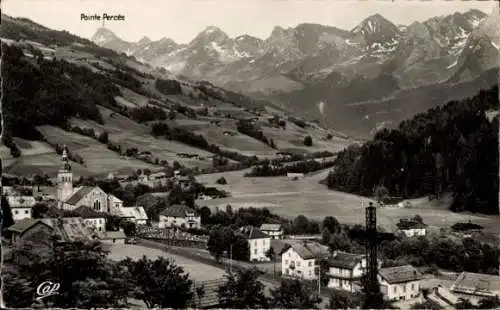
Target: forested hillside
<point x="450" y="148"/>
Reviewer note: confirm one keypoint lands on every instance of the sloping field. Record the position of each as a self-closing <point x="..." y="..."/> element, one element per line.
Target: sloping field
<point x="98" y="159"/>
<point x="306" y="196"/>
<point x="131" y="96"/>
<point x="293" y="137"/>
<point x="130" y="134"/>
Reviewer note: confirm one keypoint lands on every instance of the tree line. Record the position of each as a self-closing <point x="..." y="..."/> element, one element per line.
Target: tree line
<point x="449" y="148"/>
<point x="270" y="170"/>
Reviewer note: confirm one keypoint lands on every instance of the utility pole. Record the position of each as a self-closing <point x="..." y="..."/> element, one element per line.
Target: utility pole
<point x="319" y="279"/>
<point x="230" y="258"/>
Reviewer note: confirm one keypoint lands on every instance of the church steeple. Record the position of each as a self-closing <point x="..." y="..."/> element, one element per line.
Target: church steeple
<point x="64" y="179"/>
<point x="65" y="160"/>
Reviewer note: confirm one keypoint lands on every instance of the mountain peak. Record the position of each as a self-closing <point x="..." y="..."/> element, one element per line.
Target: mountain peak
<point x="103" y="35"/>
<point x="145" y="40"/>
<point x="212" y="29"/>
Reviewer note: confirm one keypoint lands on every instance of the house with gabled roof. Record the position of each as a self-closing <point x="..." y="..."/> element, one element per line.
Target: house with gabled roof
<point x="302" y="259"/>
<point x="21" y="206"/>
<point x="28" y="230"/>
<point x="135" y="214"/>
<point x="476" y="286"/>
<point x="71" y="229"/>
<point x="178" y="216"/>
<point x="275" y="231"/>
<point x="411" y="228"/>
<point x="345" y="270"/>
<point x="258" y="243"/>
<point x="399" y="283"/>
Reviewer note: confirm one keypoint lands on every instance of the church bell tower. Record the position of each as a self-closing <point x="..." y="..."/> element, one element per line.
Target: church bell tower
<point x="64" y="180"/>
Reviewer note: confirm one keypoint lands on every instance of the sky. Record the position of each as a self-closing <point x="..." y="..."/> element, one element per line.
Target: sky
<point x="182" y="20"/>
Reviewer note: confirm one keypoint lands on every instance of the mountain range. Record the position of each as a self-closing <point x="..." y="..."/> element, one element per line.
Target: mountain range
<point x="299" y="67"/>
<point x="418" y="54"/>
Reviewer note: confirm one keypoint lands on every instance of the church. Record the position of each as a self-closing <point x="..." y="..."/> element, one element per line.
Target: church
<point x="70" y="198"/>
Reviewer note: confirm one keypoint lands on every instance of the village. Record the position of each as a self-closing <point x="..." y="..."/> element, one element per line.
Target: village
<point x="278" y="254"/>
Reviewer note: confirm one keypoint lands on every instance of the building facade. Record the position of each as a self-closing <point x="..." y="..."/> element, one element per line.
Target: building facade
<point x="476" y="286"/>
<point x="21" y="206"/>
<point x="345" y="271"/>
<point x="258" y="243"/>
<point x="412" y="228"/>
<point x="399" y="283"/>
<point x="179" y="216"/>
<point x="29" y="230"/>
<point x="275" y="231"/>
<point x="302" y="260"/>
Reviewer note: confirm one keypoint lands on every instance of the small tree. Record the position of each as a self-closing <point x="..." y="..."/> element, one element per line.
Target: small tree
<point x="342" y="300"/>
<point x="271" y="254"/>
<point x="293" y="294"/>
<point x="308" y="141"/>
<point x="200" y="292"/>
<point x="243" y="290"/>
<point x="221" y="181"/>
<point x="380" y="192"/>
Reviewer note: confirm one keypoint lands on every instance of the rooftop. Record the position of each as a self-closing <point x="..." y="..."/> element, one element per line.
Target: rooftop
<point x="24" y="225"/>
<point x="178" y="211"/>
<point x="137" y="212"/>
<point x="345" y="260"/>
<point x="399" y="274"/>
<point x="79" y="194"/>
<point x="409" y="224"/>
<point x="270" y="227"/>
<point x="477" y="284"/>
<point x="250" y="232"/>
<point x="308" y="250"/>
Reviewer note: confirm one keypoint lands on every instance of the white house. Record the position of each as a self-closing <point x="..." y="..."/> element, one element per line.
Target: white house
<point x="346" y="270"/>
<point x="301" y="260"/>
<point x="275" y="231"/>
<point x="399" y="283"/>
<point x="21" y="206"/>
<point x="258" y="242"/>
<point x="179" y="215"/>
<point x="412" y="228"/>
<point x="135" y="214"/>
<point x="476" y="286"/>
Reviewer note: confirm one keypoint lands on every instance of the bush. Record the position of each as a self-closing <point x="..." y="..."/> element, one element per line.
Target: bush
<point x="222" y="181"/>
<point x="308" y="141"/>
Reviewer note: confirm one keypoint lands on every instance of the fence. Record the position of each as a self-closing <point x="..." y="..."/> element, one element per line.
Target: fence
<point x="209" y="296"/>
<point x="173" y="237"/>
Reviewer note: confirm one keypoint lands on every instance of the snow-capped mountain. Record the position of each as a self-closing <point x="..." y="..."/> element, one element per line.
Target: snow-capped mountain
<point x="417" y="54"/>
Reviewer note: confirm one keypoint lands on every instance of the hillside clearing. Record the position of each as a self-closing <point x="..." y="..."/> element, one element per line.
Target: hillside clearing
<point x="306" y="196"/>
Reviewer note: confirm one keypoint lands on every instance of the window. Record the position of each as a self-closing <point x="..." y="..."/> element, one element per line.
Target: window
<point x="340" y="282"/>
<point x="404" y="288"/>
<point x="286" y="262"/>
<point x="255" y="251"/>
<point x="310" y="264"/>
<point x="16" y="212"/>
<point x="298" y="264"/>
<point x="26" y="212"/>
<point x="97" y="205"/>
<point x="413" y="286"/>
<point x="394" y="290"/>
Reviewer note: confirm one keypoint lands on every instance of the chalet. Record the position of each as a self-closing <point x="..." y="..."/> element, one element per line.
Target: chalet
<point x="258" y="242"/>
<point x="301" y="260"/>
<point x="28" y="229"/>
<point x="399" y="283"/>
<point x="345" y="271"/>
<point x="411" y="228"/>
<point x="135" y="214"/>
<point x="178" y="216"/>
<point x="21" y="206"/>
<point x="275" y="231"/>
<point x="116" y="237"/>
<point x="476" y="286"/>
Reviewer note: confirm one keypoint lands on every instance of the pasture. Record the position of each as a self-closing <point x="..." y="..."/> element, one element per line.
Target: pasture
<point x="197" y="271"/>
<point x="130" y="134"/>
<point x="98" y="159"/>
<point x="306" y="196"/>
